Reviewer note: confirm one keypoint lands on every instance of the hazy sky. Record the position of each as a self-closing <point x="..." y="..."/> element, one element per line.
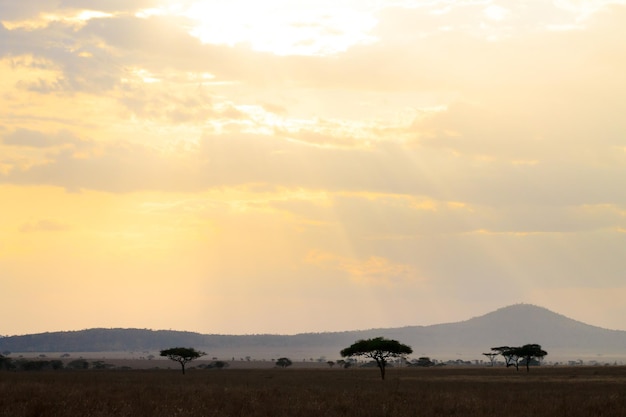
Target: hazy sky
<point x="290" y="166"/>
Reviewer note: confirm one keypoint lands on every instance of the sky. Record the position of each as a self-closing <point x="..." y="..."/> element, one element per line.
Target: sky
<point x="250" y="167"/>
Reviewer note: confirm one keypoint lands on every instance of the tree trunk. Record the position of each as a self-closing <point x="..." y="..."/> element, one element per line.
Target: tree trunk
<point x="381" y="365"/>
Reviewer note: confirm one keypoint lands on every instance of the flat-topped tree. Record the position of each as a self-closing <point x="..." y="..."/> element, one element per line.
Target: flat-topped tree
<point x="512" y="355"/>
<point x="283" y="362"/>
<point x="379" y="349"/>
<point x="491" y="356"/>
<point x="530" y="352"/>
<point x="182" y="355"/>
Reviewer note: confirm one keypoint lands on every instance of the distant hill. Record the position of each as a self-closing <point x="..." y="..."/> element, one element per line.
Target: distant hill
<point x="562" y="337"/>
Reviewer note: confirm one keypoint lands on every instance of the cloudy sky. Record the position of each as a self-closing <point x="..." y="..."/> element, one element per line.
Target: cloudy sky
<point x="287" y="166"/>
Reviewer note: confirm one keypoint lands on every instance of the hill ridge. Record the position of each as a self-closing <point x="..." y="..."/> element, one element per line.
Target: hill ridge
<point x="510" y="325"/>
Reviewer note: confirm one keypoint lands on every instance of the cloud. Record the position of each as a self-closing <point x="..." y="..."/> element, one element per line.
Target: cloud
<point x="386" y="167"/>
<point x="409" y="62"/>
<point x="464" y="156"/>
<point x="46" y="225"/>
<point x="36" y="139"/>
<point x="119" y="167"/>
<point x="78" y="64"/>
<point x="322" y="139"/>
<point x="167" y="105"/>
<point x="374" y="270"/>
<point x="26" y="9"/>
<point x="11" y="10"/>
<point x="112" y="5"/>
<point x="28" y="138"/>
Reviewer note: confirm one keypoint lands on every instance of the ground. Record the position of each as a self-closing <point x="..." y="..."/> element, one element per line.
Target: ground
<point x="293" y="392"/>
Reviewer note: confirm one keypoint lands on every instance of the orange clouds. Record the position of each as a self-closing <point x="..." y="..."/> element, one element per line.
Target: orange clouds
<point x="370" y="148"/>
<point x="374" y="270"/>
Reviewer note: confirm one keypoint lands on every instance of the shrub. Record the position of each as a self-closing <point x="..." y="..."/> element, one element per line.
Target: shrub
<point x="78" y="364"/>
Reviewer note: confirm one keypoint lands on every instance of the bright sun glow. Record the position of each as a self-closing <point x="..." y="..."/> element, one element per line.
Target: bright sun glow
<point x="280" y="27"/>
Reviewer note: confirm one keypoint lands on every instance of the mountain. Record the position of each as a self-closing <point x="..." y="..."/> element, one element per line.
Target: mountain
<point x="562" y="337"/>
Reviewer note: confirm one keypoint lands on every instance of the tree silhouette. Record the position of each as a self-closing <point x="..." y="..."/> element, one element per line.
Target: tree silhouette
<point x="491" y="356"/>
<point x="512" y="355"/>
<point x="182" y="355"/>
<point x="6" y="363"/>
<point x="424" y="361"/>
<point x="530" y="352"/>
<point x="283" y="362"/>
<point x="379" y="349"/>
<point x="511" y="358"/>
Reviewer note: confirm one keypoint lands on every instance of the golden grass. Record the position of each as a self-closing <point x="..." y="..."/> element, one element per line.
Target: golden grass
<point x="463" y="392"/>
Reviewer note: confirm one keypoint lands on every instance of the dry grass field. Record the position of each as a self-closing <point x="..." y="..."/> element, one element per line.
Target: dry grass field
<point x="446" y="391"/>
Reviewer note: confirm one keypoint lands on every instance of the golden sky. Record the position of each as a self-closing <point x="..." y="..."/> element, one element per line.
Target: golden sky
<point x="294" y="166"/>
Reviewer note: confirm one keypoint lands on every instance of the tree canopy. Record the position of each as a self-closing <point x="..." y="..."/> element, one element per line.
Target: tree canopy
<point x="513" y="354"/>
<point x="379" y="349"/>
<point x="283" y="362"/>
<point x="182" y="355"/>
<point x="509" y="354"/>
<point x="531" y="352"/>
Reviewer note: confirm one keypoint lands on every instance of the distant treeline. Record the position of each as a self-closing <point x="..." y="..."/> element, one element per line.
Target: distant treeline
<point x="21" y="364"/>
<point x="45" y="364"/>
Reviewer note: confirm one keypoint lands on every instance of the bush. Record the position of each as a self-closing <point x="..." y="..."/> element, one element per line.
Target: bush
<point x="217" y="365"/>
<point x="78" y="364"/>
<point x="6" y="363"/>
<point x="39" y="365"/>
<point x="101" y="365"/>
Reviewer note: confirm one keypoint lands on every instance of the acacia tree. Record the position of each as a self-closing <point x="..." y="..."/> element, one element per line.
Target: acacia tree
<point x="182" y="355"/>
<point x="343" y="364"/>
<point x="530" y="352"/>
<point x="491" y="356"/>
<point x="379" y="349"/>
<point x="512" y="355"/>
<point x="283" y="362"/>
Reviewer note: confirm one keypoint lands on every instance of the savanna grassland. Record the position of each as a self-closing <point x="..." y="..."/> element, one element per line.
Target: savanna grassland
<point x="446" y="391"/>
